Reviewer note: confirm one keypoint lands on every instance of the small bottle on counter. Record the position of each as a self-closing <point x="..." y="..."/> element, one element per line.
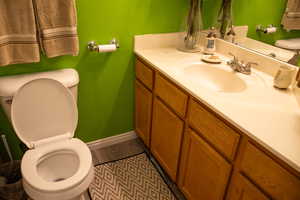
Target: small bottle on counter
<point x="284" y="76"/>
<point x="210" y="42"/>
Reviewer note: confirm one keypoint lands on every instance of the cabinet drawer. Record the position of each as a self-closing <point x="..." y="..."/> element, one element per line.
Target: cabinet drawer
<point x="269" y="175"/>
<point x="171" y="95"/>
<point x="221" y="136"/>
<point x="144" y="74"/>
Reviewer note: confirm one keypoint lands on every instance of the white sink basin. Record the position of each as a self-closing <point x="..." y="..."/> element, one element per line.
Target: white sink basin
<point x="215" y="78"/>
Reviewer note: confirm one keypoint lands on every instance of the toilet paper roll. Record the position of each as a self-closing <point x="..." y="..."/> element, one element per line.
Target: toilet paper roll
<point x="107" y="48"/>
<point x="270" y="30"/>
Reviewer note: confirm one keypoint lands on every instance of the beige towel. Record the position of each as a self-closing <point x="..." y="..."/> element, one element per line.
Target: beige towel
<point x="291" y="17"/>
<point x="18" y="43"/>
<point x="57" y="24"/>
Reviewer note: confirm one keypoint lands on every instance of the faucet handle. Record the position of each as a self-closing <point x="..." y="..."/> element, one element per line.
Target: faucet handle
<point x="249" y="64"/>
<point x="232" y="54"/>
<point x="234" y="57"/>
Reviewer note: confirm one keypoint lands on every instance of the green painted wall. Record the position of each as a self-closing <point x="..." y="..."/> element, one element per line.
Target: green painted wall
<point x="252" y="13"/>
<point x="106" y="80"/>
<point x="106" y="87"/>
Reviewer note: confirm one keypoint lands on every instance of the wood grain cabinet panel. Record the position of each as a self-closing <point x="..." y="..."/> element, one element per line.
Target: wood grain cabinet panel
<point x="203" y="173"/>
<point x="242" y="189"/>
<point x="143" y="110"/>
<point x="209" y="146"/>
<point x="221" y="136"/>
<point x="167" y="131"/>
<point x="171" y="95"/>
<point x="269" y="175"/>
<point x="144" y="74"/>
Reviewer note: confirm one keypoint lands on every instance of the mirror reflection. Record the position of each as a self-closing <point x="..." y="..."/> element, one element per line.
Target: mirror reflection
<point x="269" y="27"/>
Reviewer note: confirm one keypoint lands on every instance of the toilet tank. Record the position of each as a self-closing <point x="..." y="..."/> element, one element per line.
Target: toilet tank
<point x="9" y="85"/>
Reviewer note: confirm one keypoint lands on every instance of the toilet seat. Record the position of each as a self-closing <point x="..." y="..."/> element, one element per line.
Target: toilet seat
<point x="291" y="44"/>
<point x="32" y="157"/>
<point x="44" y="116"/>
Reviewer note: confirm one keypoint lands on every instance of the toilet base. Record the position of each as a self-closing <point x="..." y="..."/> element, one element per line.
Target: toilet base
<point x="81" y="197"/>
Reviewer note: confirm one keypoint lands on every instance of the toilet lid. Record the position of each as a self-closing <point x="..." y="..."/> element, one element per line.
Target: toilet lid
<point x="43" y="109"/>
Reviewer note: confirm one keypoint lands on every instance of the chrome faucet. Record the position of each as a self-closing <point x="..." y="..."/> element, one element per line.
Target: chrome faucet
<point x="240" y="66"/>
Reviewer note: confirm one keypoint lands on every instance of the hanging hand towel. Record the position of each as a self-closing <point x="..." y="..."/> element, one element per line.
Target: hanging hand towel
<point x="57" y="24"/>
<point x="291" y="17"/>
<point x="18" y="43"/>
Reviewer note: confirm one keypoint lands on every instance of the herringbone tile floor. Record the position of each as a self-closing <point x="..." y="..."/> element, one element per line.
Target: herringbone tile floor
<point x="124" y="150"/>
<point x="133" y="178"/>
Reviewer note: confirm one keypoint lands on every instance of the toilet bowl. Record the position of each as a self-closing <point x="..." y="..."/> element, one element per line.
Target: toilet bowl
<point x="56" y="166"/>
<point x="61" y="170"/>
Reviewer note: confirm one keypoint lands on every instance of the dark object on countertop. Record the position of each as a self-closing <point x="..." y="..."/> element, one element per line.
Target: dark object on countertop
<point x="13" y="188"/>
<point x="193" y="27"/>
<point x="225" y="16"/>
<point x="295" y="59"/>
<point x="298" y="78"/>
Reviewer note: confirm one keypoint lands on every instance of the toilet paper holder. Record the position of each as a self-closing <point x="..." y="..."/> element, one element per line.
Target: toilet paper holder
<point x="93" y="46"/>
<point x="267" y="30"/>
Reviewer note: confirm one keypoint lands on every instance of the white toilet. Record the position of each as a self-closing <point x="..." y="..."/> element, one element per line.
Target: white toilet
<point x="43" y="111"/>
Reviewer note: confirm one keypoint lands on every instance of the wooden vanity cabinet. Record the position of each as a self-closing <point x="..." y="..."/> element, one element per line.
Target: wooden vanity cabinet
<point x="269" y="175"/>
<point x="243" y="189"/>
<point x="166" y="136"/>
<point x="204" y="174"/>
<point x="208" y="157"/>
<point x="143" y="110"/>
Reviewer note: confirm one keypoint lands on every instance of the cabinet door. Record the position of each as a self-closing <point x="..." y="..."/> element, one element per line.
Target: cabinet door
<point x="143" y="108"/>
<point x="269" y="175"/>
<point x="242" y="189"/>
<point x="204" y="173"/>
<point x="167" y="130"/>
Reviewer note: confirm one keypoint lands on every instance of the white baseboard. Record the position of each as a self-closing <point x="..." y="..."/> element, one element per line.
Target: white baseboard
<point x="112" y="140"/>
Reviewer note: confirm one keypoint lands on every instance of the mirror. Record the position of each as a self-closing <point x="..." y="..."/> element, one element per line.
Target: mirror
<point x="280" y="49"/>
<point x="266" y="26"/>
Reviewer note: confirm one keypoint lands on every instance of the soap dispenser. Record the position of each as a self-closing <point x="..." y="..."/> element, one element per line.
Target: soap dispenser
<point x="210" y="42"/>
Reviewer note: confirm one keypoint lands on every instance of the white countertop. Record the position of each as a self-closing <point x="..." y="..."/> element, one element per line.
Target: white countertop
<point x="269" y="116"/>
